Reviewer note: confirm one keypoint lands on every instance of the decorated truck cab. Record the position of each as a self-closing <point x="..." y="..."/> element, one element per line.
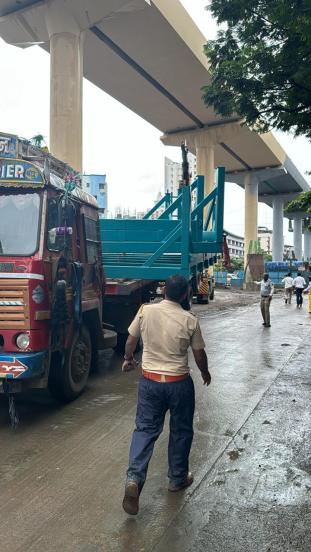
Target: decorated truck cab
<point x="51" y="275"/>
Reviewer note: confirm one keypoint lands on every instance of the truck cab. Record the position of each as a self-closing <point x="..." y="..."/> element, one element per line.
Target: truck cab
<point x="51" y="276"/>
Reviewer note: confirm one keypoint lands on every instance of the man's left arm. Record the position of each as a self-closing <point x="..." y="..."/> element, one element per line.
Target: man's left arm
<point x="198" y="345"/>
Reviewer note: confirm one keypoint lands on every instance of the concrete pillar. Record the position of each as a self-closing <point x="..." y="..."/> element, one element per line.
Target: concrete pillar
<point x="251" y="212"/>
<point x="307" y="245"/>
<point x="298" y="237"/>
<point x="277" y="235"/>
<point x="206" y="165"/>
<point x="66" y="62"/>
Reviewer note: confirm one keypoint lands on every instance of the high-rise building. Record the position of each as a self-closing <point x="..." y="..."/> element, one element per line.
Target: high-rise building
<point x="96" y="185"/>
<point x="173" y="173"/>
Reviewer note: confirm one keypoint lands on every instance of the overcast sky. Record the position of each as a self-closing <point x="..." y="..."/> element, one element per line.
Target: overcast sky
<point x="130" y="153"/>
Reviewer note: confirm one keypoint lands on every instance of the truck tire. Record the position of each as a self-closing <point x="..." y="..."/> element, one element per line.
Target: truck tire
<point x="67" y="382"/>
<point x="212" y="295"/>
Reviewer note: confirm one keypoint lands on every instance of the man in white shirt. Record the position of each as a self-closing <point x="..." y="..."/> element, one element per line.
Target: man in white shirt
<point x="167" y="331"/>
<point x="288" y="288"/>
<point x="299" y="284"/>
<point x="266" y="292"/>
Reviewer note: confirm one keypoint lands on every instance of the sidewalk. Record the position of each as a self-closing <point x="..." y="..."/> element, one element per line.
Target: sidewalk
<point x="257" y="497"/>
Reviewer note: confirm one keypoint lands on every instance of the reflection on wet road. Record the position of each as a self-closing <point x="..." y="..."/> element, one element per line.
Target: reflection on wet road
<point x="62" y="471"/>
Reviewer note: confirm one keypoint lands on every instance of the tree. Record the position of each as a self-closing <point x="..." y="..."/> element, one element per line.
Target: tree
<point x="37" y="140"/>
<point x="236" y="264"/>
<point x="260" y="63"/>
<point x="302" y="203"/>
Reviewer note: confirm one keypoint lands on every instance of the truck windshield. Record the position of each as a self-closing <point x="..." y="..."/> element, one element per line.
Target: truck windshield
<point x="19" y="223"/>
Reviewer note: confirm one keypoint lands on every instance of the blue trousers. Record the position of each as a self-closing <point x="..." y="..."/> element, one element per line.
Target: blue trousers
<point x="154" y="400"/>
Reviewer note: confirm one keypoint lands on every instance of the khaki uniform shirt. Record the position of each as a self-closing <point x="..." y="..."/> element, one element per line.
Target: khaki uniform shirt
<point x="167" y="331"/>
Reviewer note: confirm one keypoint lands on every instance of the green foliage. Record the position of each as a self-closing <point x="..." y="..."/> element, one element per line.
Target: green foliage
<point x="301" y="203"/>
<point x="219" y="265"/>
<point x="236" y="264"/>
<point x="260" y="63"/>
<point x="37" y="140"/>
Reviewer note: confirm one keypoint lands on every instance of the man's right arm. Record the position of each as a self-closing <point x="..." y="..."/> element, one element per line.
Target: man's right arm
<point x="202" y="363"/>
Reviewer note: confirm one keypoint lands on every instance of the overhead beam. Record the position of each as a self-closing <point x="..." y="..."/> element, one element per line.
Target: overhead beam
<point x="20" y="7"/>
<point x="141" y="71"/>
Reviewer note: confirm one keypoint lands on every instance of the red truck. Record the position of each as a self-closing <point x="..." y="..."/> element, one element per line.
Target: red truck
<point x="51" y="276"/>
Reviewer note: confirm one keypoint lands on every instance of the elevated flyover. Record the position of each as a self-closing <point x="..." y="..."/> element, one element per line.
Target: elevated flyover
<point x="148" y="54"/>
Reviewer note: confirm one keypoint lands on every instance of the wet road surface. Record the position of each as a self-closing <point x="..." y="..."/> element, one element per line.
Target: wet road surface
<point x="62" y="471"/>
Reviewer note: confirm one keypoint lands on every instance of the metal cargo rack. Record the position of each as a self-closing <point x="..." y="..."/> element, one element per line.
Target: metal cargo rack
<point x="180" y="239"/>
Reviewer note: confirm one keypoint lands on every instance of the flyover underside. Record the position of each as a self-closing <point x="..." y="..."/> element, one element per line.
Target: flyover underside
<point x="149" y="56"/>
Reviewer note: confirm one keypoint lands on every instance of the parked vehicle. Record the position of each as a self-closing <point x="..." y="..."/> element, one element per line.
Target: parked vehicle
<point x="57" y="308"/>
<point x="230" y="276"/>
<point x="51" y="275"/>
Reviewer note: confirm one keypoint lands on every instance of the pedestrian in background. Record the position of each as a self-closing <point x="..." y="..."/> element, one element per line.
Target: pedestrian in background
<point x="299" y="285"/>
<point x="308" y="290"/>
<point x="167" y="331"/>
<point x="266" y="292"/>
<point x="288" y="288"/>
<point x="307" y="273"/>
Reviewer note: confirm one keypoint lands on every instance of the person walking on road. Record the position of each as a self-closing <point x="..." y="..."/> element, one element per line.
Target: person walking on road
<point x="167" y="331"/>
<point x="266" y="292"/>
<point x="288" y="288"/>
<point x="308" y="290"/>
<point x="299" y="284"/>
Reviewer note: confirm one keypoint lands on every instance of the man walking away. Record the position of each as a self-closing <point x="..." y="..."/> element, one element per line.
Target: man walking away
<point x="288" y="288"/>
<point x="299" y="284"/>
<point x="266" y="292"/>
<point x="167" y="331"/>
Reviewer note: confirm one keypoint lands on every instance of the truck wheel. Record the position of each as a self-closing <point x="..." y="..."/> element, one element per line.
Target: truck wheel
<point x="212" y="295"/>
<point x="67" y="382"/>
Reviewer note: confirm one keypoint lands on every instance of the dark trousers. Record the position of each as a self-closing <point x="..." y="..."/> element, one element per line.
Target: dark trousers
<point x="299" y="297"/>
<point x="154" y="400"/>
<point x="265" y="309"/>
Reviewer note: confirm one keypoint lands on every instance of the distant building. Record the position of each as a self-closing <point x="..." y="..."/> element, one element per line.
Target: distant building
<point x="235" y="245"/>
<point x="265" y="242"/>
<point x="173" y="173"/>
<point x="265" y="239"/>
<point x="160" y="210"/>
<point x="96" y="185"/>
<point x="288" y="252"/>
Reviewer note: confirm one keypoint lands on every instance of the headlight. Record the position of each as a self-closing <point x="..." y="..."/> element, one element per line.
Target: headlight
<point x="22" y="341"/>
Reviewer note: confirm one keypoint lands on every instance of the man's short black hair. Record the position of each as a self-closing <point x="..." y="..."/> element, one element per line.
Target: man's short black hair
<point x="298" y="273"/>
<point x="175" y="287"/>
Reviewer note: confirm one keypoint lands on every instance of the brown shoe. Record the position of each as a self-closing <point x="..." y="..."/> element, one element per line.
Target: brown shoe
<point x="175" y="488"/>
<point x="131" y="498"/>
